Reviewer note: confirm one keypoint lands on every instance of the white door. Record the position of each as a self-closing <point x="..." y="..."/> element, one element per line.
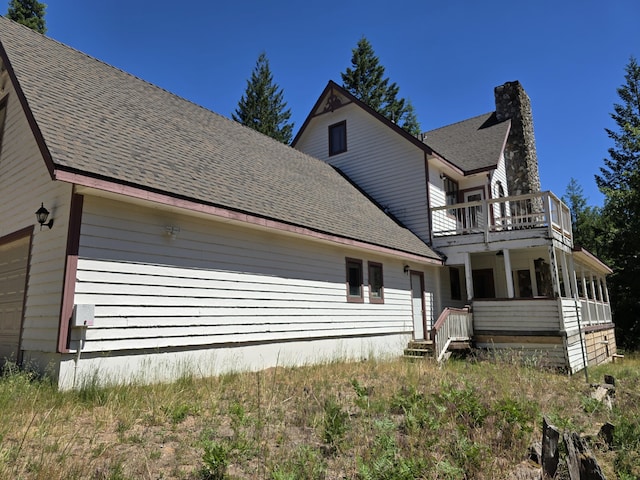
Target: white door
<point x="417" y="296"/>
<point x="13" y="275"/>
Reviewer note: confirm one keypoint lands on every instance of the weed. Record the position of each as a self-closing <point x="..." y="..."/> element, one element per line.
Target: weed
<point x="385" y="461"/>
<point x="467" y="454"/>
<point x="305" y="464"/>
<point x="464" y="404"/>
<point x="626" y="440"/>
<point x="590" y="405"/>
<point x="334" y="423"/>
<point x="178" y="413"/>
<point x="514" y="421"/>
<point x="362" y="394"/>
<point x="215" y="461"/>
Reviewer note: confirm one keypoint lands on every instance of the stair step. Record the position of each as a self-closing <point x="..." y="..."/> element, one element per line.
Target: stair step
<point x="414" y="358"/>
<point x="460" y="345"/>
<point x="415" y="352"/>
<point x="420" y="344"/>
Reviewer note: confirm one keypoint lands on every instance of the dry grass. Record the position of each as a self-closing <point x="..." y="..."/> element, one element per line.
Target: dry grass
<point x="374" y="419"/>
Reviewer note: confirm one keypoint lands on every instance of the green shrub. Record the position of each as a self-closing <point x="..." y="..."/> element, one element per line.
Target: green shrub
<point x="215" y="461"/>
<point x="335" y="423"/>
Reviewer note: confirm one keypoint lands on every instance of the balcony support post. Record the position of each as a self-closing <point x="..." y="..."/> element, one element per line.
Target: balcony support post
<point x="507" y="272"/>
<point x="468" y="276"/>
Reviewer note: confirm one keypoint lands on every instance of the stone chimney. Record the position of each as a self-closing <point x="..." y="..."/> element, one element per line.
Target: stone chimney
<point x="521" y="160"/>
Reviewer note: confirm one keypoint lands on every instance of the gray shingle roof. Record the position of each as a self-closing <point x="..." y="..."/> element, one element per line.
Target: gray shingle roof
<point x="484" y="138"/>
<point x="103" y="122"/>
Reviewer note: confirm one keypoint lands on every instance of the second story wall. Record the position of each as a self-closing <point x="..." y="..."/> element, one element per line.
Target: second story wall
<point x="383" y="163"/>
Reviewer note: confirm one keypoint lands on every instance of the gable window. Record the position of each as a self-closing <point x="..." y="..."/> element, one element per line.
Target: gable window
<point x="338" y="138"/>
<point x="354" y="280"/>
<point x="454" y="282"/>
<point x="376" y="283"/>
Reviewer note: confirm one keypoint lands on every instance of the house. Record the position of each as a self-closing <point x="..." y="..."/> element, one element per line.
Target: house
<point x="472" y="192"/>
<point x="178" y="241"/>
<point x="170" y="240"/>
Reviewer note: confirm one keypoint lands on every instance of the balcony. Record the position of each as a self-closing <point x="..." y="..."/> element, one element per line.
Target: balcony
<point x="540" y="211"/>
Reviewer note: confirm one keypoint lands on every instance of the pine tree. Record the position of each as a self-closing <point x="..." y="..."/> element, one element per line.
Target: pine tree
<point x="29" y="13"/>
<point x="262" y="107"/>
<point x="619" y="181"/>
<point x="366" y="81"/>
<point x="586" y="221"/>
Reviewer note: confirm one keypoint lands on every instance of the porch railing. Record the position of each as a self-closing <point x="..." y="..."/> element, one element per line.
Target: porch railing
<point x="536" y="210"/>
<point x="454" y="324"/>
<point x="595" y="312"/>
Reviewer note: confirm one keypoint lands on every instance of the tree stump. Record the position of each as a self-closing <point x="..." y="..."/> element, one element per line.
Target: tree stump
<point x="550" y="453"/>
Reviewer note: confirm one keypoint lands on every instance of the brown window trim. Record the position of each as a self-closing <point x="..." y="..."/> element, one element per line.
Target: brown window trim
<point x="354" y="298"/>
<point x="373" y="299"/>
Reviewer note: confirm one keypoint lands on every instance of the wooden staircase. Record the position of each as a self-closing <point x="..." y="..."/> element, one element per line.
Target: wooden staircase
<point x="452" y="332"/>
<point x="419" y="349"/>
<point x="422" y="349"/>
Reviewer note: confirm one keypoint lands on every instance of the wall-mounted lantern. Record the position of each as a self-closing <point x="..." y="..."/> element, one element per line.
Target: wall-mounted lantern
<point x="42" y="214"/>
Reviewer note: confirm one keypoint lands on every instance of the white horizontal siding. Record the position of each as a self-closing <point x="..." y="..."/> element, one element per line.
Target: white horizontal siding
<point x="385" y="165"/>
<point x="24" y="184"/>
<point x="216" y="283"/>
<point x="516" y="315"/>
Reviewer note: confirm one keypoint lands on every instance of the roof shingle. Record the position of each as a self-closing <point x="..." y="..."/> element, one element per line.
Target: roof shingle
<point x="484" y="139"/>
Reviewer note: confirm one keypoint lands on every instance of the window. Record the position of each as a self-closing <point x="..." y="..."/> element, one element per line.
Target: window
<point x="450" y="193"/>
<point x="503" y="205"/>
<point x="525" y="288"/>
<point x="338" y="138"/>
<point x="376" y="284"/>
<point x="454" y="281"/>
<point x="354" y="280"/>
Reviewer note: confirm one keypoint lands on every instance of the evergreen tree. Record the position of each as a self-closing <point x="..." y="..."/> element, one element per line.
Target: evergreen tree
<point x="619" y="181"/>
<point x="586" y="221"/>
<point x="366" y="81"/>
<point x="29" y="13"/>
<point x="262" y="107"/>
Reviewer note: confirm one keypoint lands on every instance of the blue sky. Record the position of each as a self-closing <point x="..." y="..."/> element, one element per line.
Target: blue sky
<point x="446" y="57"/>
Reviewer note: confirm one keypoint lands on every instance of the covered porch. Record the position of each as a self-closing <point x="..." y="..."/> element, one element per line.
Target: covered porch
<point x="512" y="260"/>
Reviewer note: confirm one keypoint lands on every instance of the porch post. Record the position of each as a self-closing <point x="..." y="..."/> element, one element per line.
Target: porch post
<point x="595" y="298"/>
<point x="586" y="296"/>
<point x="568" y="286"/>
<point x="574" y="277"/>
<point x="555" y="277"/>
<point x="605" y="289"/>
<point x="600" y="289"/>
<point x="593" y="288"/>
<point x="468" y="277"/>
<point x="507" y="272"/>
<point x="600" y="308"/>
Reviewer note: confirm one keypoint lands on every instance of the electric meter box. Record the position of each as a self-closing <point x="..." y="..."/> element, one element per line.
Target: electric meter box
<point x="83" y="316"/>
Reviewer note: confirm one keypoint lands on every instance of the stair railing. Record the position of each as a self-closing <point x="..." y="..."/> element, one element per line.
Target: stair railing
<point x="453" y="324"/>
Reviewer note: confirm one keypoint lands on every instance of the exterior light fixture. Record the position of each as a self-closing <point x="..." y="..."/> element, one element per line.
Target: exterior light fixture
<point x="406" y="269"/>
<point x="172" y="231"/>
<point x="42" y="214"/>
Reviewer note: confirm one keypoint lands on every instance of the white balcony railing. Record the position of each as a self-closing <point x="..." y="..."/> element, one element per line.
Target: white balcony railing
<point x="538" y="210"/>
<point x="595" y="312"/>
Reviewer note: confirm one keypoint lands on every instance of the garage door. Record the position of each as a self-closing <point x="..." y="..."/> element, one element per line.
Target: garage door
<point x="13" y="274"/>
